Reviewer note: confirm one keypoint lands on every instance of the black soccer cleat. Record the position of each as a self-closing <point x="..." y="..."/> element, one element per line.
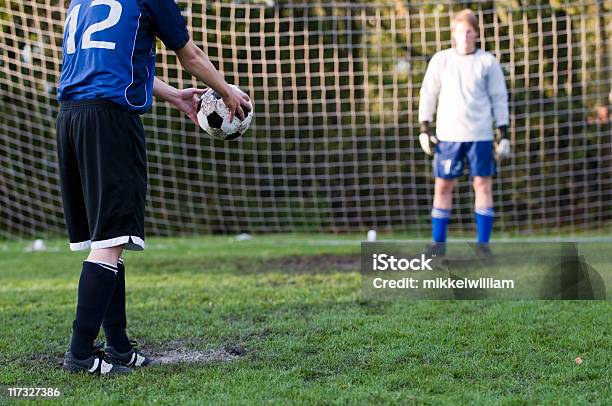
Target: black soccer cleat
<point x="483" y="250"/>
<point x="437" y="249"/>
<point x="132" y="359"/>
<point x="97" y="364"/>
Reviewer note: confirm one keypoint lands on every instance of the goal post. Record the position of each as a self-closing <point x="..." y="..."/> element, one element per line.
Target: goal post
<point x="333" y="146"/>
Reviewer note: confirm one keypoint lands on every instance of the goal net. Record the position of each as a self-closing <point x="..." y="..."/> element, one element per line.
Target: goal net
<point x="333" y="146"/>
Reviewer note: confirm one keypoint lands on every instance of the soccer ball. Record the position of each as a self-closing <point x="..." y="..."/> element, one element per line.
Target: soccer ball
<point x="213" y="117"/>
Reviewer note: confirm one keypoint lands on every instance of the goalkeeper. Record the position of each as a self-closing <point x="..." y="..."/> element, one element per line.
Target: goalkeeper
<point x="468" y="86"/>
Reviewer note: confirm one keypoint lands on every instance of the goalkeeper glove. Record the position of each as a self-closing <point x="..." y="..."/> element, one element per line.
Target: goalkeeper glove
<point x="427" y="140"/>
<point x="502" y="147"/>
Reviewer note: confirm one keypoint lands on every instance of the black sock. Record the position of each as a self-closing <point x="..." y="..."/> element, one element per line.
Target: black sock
<point x="96" y="287"/>
<point x="115" y="321"/>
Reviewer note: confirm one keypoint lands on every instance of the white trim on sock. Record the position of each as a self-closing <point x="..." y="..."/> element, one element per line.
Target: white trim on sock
<point x="489" y="211"/>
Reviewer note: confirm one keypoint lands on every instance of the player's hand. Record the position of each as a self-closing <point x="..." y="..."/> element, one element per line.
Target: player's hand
<point x="237" y="102"/>
<point x="427" y="140"/>
<point x="187" y="101"/>
<point x="502" y="147"/>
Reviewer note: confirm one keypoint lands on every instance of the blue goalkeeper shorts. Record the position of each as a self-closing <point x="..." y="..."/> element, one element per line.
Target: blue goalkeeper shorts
<point x="450" y="158"/>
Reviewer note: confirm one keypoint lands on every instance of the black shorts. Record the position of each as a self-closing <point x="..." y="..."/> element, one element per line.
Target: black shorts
<point x="103" y="174"/>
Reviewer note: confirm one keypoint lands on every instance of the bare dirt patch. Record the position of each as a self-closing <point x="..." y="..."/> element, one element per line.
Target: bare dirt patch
<point x="180" y="355"/>
<point x="314" y="263"/>
<point x="174" y="353"/>
<point x="323" y="263"/>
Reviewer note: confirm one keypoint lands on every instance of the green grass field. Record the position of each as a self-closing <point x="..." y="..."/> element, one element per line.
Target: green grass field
<point x="289" y="310"/>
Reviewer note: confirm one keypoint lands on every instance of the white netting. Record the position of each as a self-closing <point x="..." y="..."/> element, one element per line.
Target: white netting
<point x="334" y="142"/>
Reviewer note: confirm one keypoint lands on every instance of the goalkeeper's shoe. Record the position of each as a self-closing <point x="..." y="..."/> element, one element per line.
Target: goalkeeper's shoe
<point x="437" y="249"/>
<point x="483" y="250"/>
<point x="133" y="358"/>
<point x="97" y="364"/>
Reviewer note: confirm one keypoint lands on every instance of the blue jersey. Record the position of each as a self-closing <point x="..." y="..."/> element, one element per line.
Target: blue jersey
<point x="109" y="49"/>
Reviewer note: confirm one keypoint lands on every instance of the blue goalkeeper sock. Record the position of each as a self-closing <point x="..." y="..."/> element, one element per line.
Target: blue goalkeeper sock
<point x="439" y="223"/>
<point x="484" y="224"/>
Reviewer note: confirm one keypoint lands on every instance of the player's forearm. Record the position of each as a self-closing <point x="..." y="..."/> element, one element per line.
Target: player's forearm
<point x="499" y="103"/>
<point x="427" y="105"/>
<point x="498" y="94"/>
<point x="500" y="114"/>
<point x="198" y="64"/>
<point x="430" y="90"/>
<point x="427" y="110"/>
<point x="427" y="101"/>
<point x="204" y="70"/>
<point x="164" y="91"/>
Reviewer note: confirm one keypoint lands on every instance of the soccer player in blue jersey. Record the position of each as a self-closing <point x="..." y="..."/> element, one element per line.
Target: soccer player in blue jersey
<point x="470" y="91"/>
<point x="107" y="81"/>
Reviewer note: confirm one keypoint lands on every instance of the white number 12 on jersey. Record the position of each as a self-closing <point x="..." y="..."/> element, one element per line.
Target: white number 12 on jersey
<point x="86" y="43"/>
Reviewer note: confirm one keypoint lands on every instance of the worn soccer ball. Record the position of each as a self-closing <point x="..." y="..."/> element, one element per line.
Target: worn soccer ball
<point x="213" y="117"/>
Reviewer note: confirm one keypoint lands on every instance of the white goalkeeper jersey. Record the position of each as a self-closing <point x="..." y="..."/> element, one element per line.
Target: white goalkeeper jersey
<point x="470" y="92"/>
